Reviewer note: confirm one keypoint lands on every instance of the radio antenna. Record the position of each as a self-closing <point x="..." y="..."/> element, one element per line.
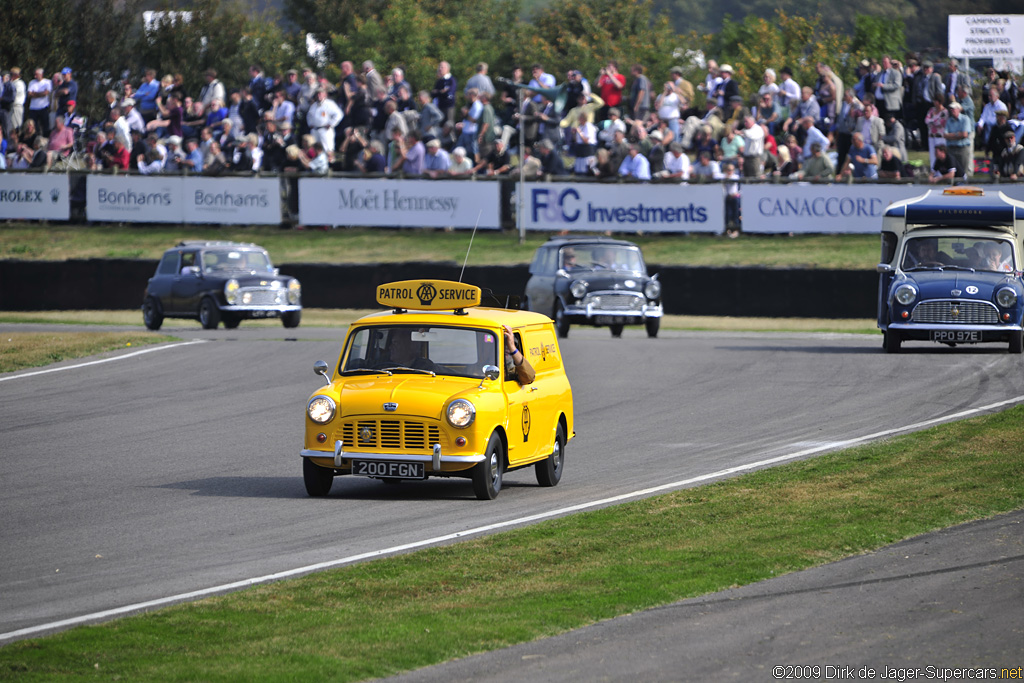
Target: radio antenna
<point x="480" y="213"/>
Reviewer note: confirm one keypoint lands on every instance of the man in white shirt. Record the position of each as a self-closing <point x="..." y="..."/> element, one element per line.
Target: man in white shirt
<point x="39" y="89"/>
<point x="323" y="117"/>
<point x="677" y="164"/>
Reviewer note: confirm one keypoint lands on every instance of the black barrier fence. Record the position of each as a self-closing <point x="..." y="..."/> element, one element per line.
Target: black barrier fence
<point x="742" y="292"/>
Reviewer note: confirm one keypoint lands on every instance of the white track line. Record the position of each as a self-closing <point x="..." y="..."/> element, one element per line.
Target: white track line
<point x="290" y="573"/>
<point x="150" y="349"/>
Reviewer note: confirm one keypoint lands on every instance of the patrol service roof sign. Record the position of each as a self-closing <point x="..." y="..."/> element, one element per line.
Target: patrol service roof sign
<point x="428" y="295"/>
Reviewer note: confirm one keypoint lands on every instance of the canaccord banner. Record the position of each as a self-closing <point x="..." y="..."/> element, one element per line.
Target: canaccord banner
<point x="34" y="196"/>
<point x="400" y="203"/>
<point x="805" y="207"/>
<point x="625" y="208"/>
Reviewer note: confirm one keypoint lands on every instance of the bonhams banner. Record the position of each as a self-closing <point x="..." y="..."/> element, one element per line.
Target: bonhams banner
<point x="34" y="196"/>
<point x="400" y="203"/>
<point x="177" y="199"/>
<point x="625" y="207"/>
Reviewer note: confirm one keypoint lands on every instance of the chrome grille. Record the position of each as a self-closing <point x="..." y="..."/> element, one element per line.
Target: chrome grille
<point x="389" y="435"/>
<point x="956" y="312"/>
<point x="252" y="296"/>
<point x="614" y="301"/>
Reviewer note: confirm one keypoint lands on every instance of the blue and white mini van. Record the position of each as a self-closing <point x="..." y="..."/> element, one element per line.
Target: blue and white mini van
<point x="950" y="270"/>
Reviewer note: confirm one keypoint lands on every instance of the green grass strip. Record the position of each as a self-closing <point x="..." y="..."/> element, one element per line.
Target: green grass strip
<point x="392" y="615"/>
<point x="20" y="350"/>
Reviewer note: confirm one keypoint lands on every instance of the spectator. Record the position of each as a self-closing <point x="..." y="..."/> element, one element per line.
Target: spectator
<point x="397" y="81"/>
<point x="614" y="123"/>
<point x="731" y="145"/>
<point x="753" y="148"/>
<point x="550" y="161"/>
<point x="467" y="128"/>
<point x="374" y="83"/>
<point x="1010" y="165"/>
<point x="120" y="155"/>
<point x="480" y="81"/>
<point x="66" y="92"/>
<point x="958" y="138"/>
<point x="487" y="129"/>
<point x="436" y="162"/>
<point x="888" y="89"/>
<point x="732" y="194"/>
<point x="944" y="167"/>
<point x="174" y="155"/>
<point x="987" y="121"/>
<point x="431" y="117"/>
<point x="497" y="162"/>
<point x="819" y="166"/>
<point x="459" y="165"/>
<point x="19" y="93"/>
<point x="61" y="142"/>
<point x="394" y="122"/>
<point x="282" y="108"/>
<point x="807" y="107"/>
<point x="411" y="153"/>
<point x="706" y="168"/>
<point x="372" y="158"/>
<point x="214" y="162"/>
<point x="635" y="165"/>
<point x="727" y="88"/>
<point x="584" y="145"/>
<point x="610" y="85"/>
<point x="146" y="95"/>
<point x="997" y="137"/>
<point x="247" y="155"/>
<point x="193" y="160"/>
<point x="767" y="111"/>
<point x="640" y="94"/>
<point x="173" y="115"/>
<point x="444" y="91"/>
<point x="323" y="117"/>
<point x="895" y="136"/>
<point x="682" y="86"/>
<point x="292" y="87"/>
<point x="863" y="158"/>
<point x="677" y="164"/>
<point x="847" y="117"/>
<point x="216" y="113"/>
<point x="789" y="90"/>
<point x="811" y="135"/>
<point x="890" y="166"/>
<point x="259" y="86"/>
<point x="711" y="81"/>
<point x="955" y="79"/>
<point x="39" y="89"/>
<point x="213" y="89"/>
<point x="132" y="116"/>
<point x="150" y="163"/>
<point x="668" y="105"/>
<point x="540" y="79"/>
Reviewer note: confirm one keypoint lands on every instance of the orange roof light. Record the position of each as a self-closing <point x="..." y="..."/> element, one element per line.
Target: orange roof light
<point x="965" y="190"/>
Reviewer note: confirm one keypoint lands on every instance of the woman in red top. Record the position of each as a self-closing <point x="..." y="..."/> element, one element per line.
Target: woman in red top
<point x="610" y="86"/>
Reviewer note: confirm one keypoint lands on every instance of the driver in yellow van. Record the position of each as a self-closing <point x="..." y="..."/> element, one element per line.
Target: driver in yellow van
<point x="515" y="361"/>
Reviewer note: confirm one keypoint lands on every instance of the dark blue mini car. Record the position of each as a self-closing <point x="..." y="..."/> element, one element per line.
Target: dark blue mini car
<point x="215" y="282"/>
<point x="951" y="270"/>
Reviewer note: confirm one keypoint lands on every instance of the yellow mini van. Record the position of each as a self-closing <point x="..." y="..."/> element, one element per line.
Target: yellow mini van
<point x="433" y="388"/>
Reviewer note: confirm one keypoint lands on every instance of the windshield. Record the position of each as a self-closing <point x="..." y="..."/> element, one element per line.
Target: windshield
<point x="958" y="251"/>
<point x="222" y="260"/>
<point x="600" y="257"/>
<point x="455" y="351"/>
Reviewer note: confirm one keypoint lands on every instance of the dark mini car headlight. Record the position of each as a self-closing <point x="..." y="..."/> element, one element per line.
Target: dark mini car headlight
<point x="461" y="413"/>
<point x="578" y="289"/>
<point x="321" y="409"/>
<point x="231" y="291"/>
<point x="1006" y="297"/>
<point x="652" y="290"/>
<point x="905" y="294"/>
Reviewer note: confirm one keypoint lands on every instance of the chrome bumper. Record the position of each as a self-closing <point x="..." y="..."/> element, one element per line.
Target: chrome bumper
<point x="435" y="458"/>
<point x="591" y="311"/>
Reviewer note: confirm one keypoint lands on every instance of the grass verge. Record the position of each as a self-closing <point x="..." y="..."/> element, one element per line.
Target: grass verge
<point x="325" y="317"/>
<point x="401" y="613"/>
<point x="59" y="242"/>
<point x="20" y="350"/>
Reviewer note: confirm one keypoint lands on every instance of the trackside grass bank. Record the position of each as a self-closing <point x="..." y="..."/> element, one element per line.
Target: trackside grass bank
<point x="401" y="613"/>
<point x="20" y="350"/>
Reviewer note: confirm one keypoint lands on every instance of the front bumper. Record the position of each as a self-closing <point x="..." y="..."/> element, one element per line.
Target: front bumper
<point x="925" y="332"/>
<point x="243" y="311"/>
<point x="436" y="458"/>
<point x="592" y="314"/>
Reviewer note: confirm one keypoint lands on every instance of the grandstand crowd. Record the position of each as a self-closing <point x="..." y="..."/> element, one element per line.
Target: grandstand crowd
<point x="615" y="124"/>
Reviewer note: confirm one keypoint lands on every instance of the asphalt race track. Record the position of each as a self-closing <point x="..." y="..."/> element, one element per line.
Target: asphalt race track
<point x="177" y="470"/>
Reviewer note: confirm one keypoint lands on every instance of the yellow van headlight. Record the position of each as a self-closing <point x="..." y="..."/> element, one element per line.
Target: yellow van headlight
<point x="461" y="413"/>
<point x="321" y="409"/>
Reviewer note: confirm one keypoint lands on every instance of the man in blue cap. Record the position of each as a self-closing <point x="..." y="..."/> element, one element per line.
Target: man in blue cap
<point x="68" y="90"/>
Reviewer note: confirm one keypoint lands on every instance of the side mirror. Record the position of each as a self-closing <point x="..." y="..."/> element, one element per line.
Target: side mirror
<point x="491" y="372"/>
<point x="320" y="368"/>
<point x="883" y="268"/>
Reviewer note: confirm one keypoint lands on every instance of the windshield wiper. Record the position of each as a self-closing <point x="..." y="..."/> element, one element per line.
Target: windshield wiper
<point x="402" y="368"/>
<point x="369" y="371"/>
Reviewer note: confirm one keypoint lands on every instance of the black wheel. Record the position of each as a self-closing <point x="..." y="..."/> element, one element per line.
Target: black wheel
<point x="209" y="314"/>
<point x="892" y="341"/>
<point x="652" y="325"/>
<point x="488" y="472"/>
<point x="318" y="479"/>
<point x="152" y="315"/>
<point x="291" y="319"/>
<point x="1016" y="342"/>
<point x="561" y="324"/>
<point x="616" y="330"/>
<point x="231" y="322"/>
<point x="549" y="471"/>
